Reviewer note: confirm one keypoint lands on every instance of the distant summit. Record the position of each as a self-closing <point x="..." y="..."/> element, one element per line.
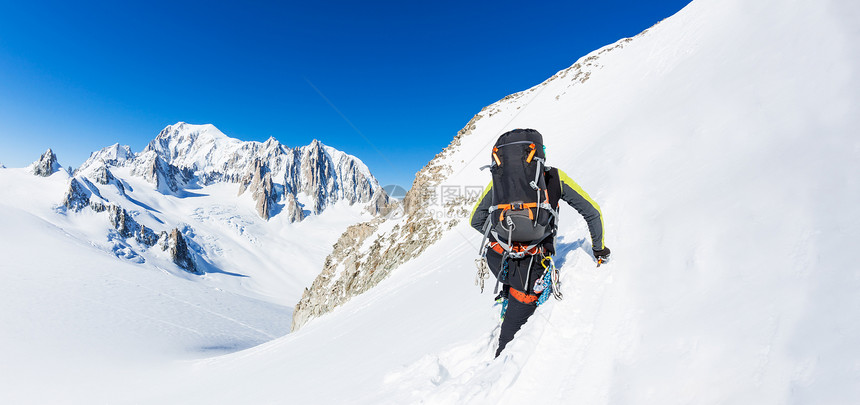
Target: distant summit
<point x="115" y="154"/>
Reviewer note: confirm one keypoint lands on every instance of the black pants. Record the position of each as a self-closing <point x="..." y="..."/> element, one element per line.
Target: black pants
<point x="515" y="317"/>
<point x="518" y="276"/>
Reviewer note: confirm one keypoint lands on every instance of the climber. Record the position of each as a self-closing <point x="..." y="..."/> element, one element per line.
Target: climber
<point x="518" y="213"/>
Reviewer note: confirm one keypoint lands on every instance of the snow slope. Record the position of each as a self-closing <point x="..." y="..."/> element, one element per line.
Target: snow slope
<point x="75" y="320"/>
<point x="721" y="145"/>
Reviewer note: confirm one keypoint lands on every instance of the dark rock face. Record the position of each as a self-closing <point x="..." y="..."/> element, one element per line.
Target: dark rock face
<point x="174" y="243"/>
<point x="178" y="250"/>
<point x="259" y="181"/>
<point x="98" y="206"/>
<point x="265" y="197"/>
<point x="292" y="208"/>
<point x="317" y="171"/>
<point x="102" y="175"/>
<point x="78" y="196"/>
<point x="121" y="221"/>
<point x="46" y="165"/>
<point x="146" y="236"/>
<point x="164" y="176"/>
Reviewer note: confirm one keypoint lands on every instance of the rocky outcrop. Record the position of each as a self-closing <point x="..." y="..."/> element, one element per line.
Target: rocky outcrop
<point x="46" y="165"/>
<point x="380" y="204"/>
<point x="121" y="221"/>
<point x="179" y="252"/>
<point x="77" y="197"/>
<point x="265" y="197"/>
<point x="323" y="174"/>
<point x="330" y="288"/>
<point x="83" y="193"/>
<point x="115" y="155"/>
<point x="102" y="175"/>
<point x="173" y="243"/>
<point x="292" y="208"/>
<point x="317" y="173"/>
<point x="164" y="176"/>
<point x="259" y="181"/>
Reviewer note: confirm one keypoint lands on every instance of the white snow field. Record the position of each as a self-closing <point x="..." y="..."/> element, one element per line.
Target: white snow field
<point x="722" y="147"/>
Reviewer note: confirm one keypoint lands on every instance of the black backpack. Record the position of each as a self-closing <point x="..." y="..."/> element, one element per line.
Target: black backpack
<point x="522" y="216"/>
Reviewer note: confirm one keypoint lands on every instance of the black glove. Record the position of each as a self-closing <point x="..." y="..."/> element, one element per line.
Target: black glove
<point x="602" y="255"/>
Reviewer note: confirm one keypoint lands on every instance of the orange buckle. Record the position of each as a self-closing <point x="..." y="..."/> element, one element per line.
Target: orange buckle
<point x="531" y="154"/>
<point x="523" y="297"/>
<point x="516" y="248"/>
<point x="516" y="207"/>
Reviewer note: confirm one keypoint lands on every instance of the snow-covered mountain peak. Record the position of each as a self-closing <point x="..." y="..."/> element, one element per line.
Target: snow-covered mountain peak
<point x="271" y="142"/>
<point x="116" y="155"/>
<point x="192" y="146"/>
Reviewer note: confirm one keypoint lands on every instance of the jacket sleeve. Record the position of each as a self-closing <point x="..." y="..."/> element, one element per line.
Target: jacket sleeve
<point x="574" y="195"/>
<point x="481" y="211"/>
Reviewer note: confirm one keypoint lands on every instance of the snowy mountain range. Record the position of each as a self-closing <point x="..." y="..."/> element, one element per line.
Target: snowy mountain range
<point x="720" y="145"/>
<point x="185" y="156"/>
<point x="196" y="201"/>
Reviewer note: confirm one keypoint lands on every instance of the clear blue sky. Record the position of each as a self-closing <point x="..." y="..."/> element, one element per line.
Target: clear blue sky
<point x="407" y="75"/>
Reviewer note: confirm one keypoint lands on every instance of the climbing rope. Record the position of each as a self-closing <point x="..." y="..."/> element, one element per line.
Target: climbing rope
<point x="549" y="283"/>
<point x="483" y="272"/>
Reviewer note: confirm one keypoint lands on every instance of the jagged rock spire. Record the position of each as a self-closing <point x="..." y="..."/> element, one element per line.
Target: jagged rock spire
<point x="46" y="165"/>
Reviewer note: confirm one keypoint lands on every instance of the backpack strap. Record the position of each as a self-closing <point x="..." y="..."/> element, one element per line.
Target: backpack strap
<point x="516" y="207"/>
<point x="534" y="185"/>
<point x="520" y="251"/>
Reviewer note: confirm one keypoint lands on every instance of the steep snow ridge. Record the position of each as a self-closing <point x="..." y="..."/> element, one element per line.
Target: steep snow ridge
<point x="717" y="161"/>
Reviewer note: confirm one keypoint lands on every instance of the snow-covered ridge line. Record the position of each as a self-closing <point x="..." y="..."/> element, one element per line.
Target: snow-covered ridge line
<point x="185" y="156"/>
